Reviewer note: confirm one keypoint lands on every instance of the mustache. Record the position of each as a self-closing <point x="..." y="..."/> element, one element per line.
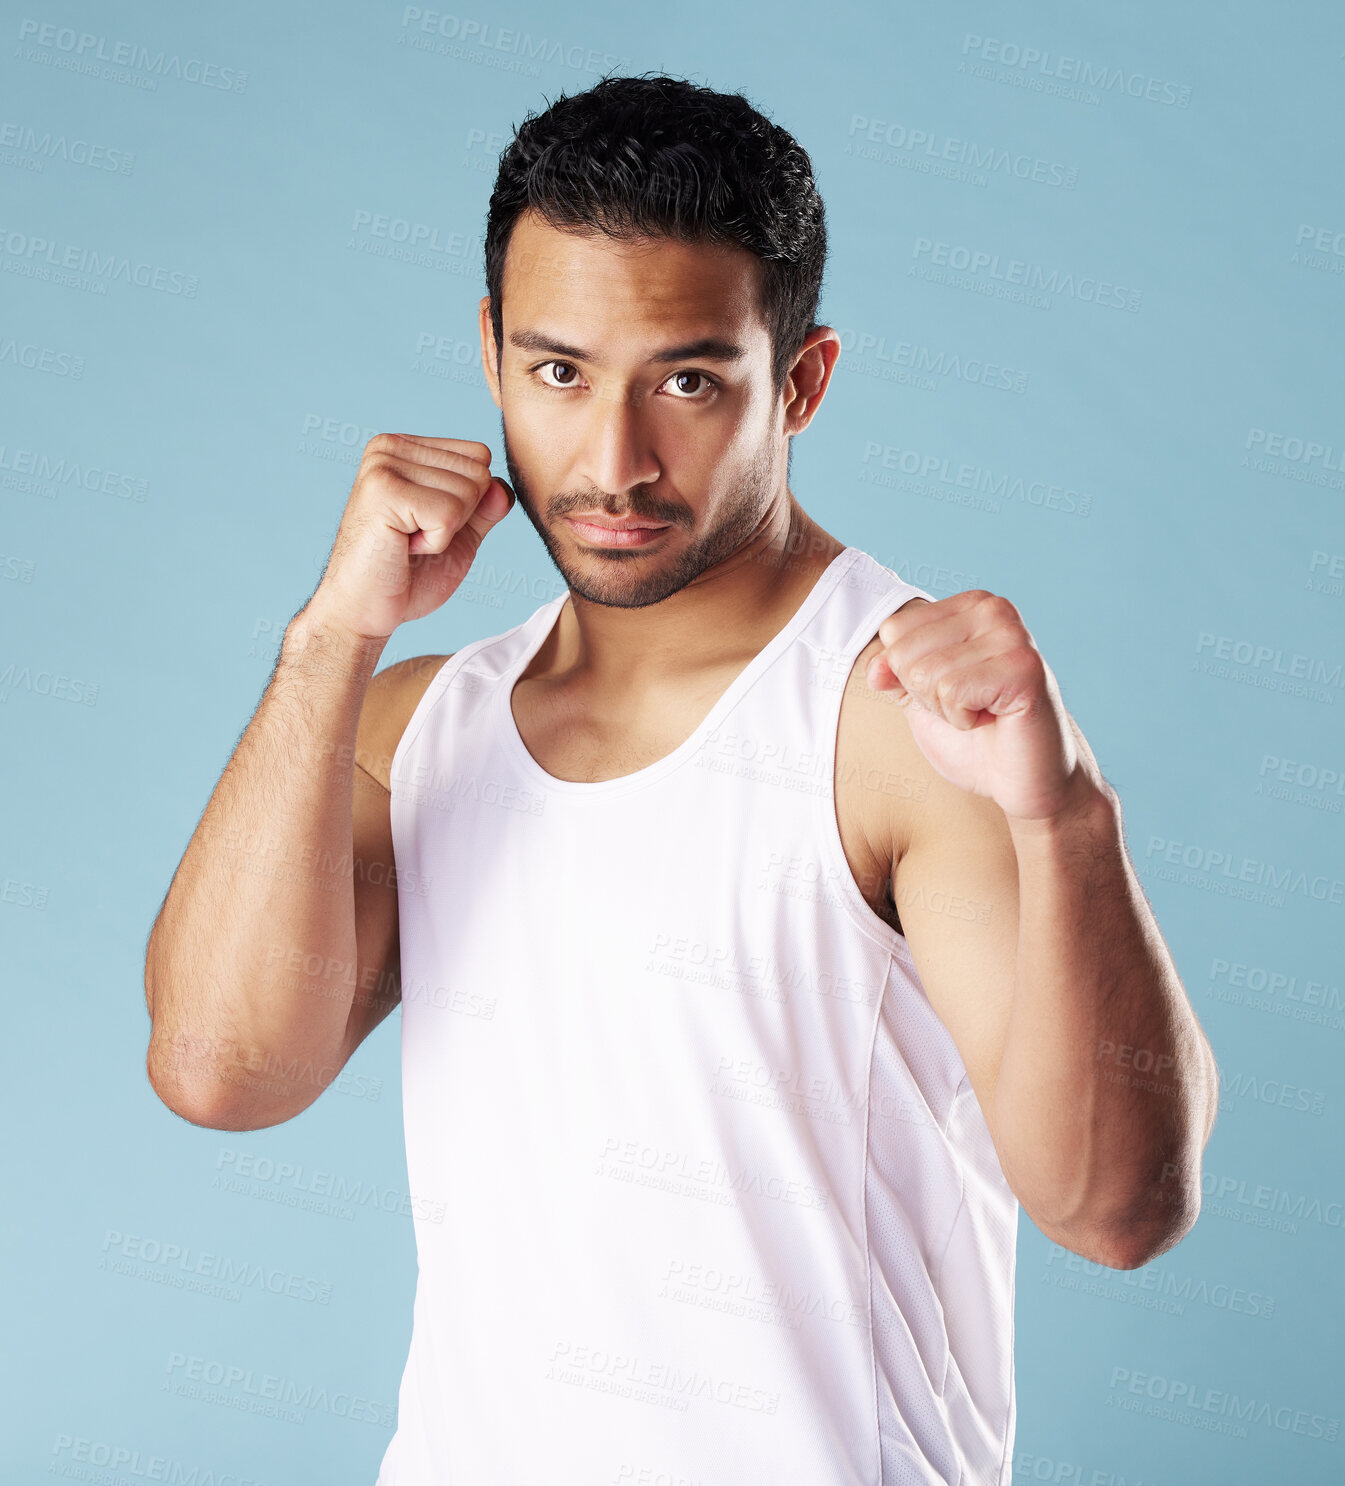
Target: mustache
<point x="641" y="508"/>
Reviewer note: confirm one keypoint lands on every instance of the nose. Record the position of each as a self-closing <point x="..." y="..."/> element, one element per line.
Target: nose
<point x="617" y="452"/>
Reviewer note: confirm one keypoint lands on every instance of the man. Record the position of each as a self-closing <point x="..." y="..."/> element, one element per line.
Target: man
<point x="763" y="929"/>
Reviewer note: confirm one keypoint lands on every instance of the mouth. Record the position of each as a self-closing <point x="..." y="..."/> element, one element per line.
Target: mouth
<point x="602" y="531"/>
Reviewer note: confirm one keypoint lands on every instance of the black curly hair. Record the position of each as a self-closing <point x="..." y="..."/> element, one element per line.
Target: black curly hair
<point x="654" y="155"/>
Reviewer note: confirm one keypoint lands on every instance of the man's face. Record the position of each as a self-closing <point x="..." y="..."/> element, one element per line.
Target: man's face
<point x="635" y="384"/>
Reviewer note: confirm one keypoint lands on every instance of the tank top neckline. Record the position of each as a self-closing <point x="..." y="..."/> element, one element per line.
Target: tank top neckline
<point x="544" y="621"/>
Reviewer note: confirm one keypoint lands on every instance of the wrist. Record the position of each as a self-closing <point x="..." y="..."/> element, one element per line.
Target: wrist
<point x="315" y="640"/>
<point x="1090" y="804"/>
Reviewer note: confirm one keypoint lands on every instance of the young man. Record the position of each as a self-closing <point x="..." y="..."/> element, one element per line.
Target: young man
<point x="763" y="929"/>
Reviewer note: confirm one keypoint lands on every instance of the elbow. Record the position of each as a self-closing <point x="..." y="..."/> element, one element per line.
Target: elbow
<point x="187" y="1103"/>
<point x="1126" y="1246"/>
<point x="219" y="1115"/>
<point x="214" y="1116"/>
<point x="1136" y="1236"/>
<point x="1133" y="1249"/>
<point x="1142" y="1236"/>
<point x="211" y="1101"/>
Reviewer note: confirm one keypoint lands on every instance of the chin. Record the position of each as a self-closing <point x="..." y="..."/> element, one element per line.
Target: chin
<point x="628" y="578"/>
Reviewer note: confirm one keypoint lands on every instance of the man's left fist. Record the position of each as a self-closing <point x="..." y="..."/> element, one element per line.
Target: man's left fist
<point x="983" y="705"/>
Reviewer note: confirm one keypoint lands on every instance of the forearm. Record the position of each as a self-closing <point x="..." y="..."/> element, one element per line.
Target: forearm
<point x="266" y="877"/>
<point x="1107" y="1089"/>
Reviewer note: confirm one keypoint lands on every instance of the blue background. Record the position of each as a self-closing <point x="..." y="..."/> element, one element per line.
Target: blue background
<point x="1154" y="473"/>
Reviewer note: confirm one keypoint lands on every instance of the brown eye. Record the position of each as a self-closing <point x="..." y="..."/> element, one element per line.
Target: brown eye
<point x="564" y="374"/>
<point x="689" y="384"/>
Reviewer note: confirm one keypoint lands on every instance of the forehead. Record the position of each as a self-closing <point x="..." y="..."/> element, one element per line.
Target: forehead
<point x="573" y="279"/>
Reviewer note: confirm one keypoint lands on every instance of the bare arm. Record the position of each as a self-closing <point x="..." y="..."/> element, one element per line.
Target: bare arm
<point x="1041" y="955"/>
<point x="253" y="964"/>
<point x="1107" y="1086"/>
<point x="1096" y="1081"/>
<point x="275" y="950"/>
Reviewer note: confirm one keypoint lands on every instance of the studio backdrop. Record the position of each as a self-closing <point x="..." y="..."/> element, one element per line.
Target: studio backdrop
<point x="1087" y="264"/>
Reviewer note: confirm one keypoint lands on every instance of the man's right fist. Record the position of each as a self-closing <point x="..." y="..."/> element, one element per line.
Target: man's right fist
<point x="417" y="513"/>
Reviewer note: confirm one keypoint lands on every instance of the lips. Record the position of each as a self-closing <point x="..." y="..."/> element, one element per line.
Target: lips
<point x="628" y="532"/>
<point x="624" y="523"/>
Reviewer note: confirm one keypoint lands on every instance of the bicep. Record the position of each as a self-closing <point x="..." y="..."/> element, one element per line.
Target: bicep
<point x="955" y="886"/>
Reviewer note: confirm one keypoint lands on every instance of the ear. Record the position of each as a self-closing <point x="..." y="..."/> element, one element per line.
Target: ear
<point x="808" y="379"/>
<point x="489" y="363"/>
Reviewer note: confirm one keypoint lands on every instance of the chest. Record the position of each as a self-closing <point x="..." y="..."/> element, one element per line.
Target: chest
<point x="572" y="741"/>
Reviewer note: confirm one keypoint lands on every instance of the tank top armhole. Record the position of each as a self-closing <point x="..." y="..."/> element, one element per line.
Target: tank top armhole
<point x="856" y="905"/>
<point x="439" y="684"/>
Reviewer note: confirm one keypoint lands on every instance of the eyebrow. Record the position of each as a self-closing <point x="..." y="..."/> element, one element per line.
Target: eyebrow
<point x="707" y="348"/>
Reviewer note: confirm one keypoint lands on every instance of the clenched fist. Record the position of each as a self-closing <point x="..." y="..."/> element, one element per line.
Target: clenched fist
<point x="416" y="516"/>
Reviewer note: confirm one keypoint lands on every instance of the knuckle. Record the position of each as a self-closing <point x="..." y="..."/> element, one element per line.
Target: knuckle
<point x="378" y="463"/>
<point x="1028" y="658"/>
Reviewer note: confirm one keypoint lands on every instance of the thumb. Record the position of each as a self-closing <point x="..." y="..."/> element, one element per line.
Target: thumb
<point x="498" y="501"/>
<point x="493" y="507"/>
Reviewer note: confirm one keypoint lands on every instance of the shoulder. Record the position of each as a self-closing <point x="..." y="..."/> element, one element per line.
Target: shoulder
<point x="882" y="778"/>
<point x="878" y="763"/>
<point x="889" y="785"/>
<point x="393" y="695"/>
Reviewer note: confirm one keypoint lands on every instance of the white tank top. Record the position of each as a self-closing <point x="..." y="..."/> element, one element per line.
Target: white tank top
<point x="702" y="1195"/>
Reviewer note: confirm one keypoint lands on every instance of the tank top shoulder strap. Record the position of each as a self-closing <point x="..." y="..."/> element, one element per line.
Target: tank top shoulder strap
<point x="864" y="594"/>
<point x="494" y="656"/>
